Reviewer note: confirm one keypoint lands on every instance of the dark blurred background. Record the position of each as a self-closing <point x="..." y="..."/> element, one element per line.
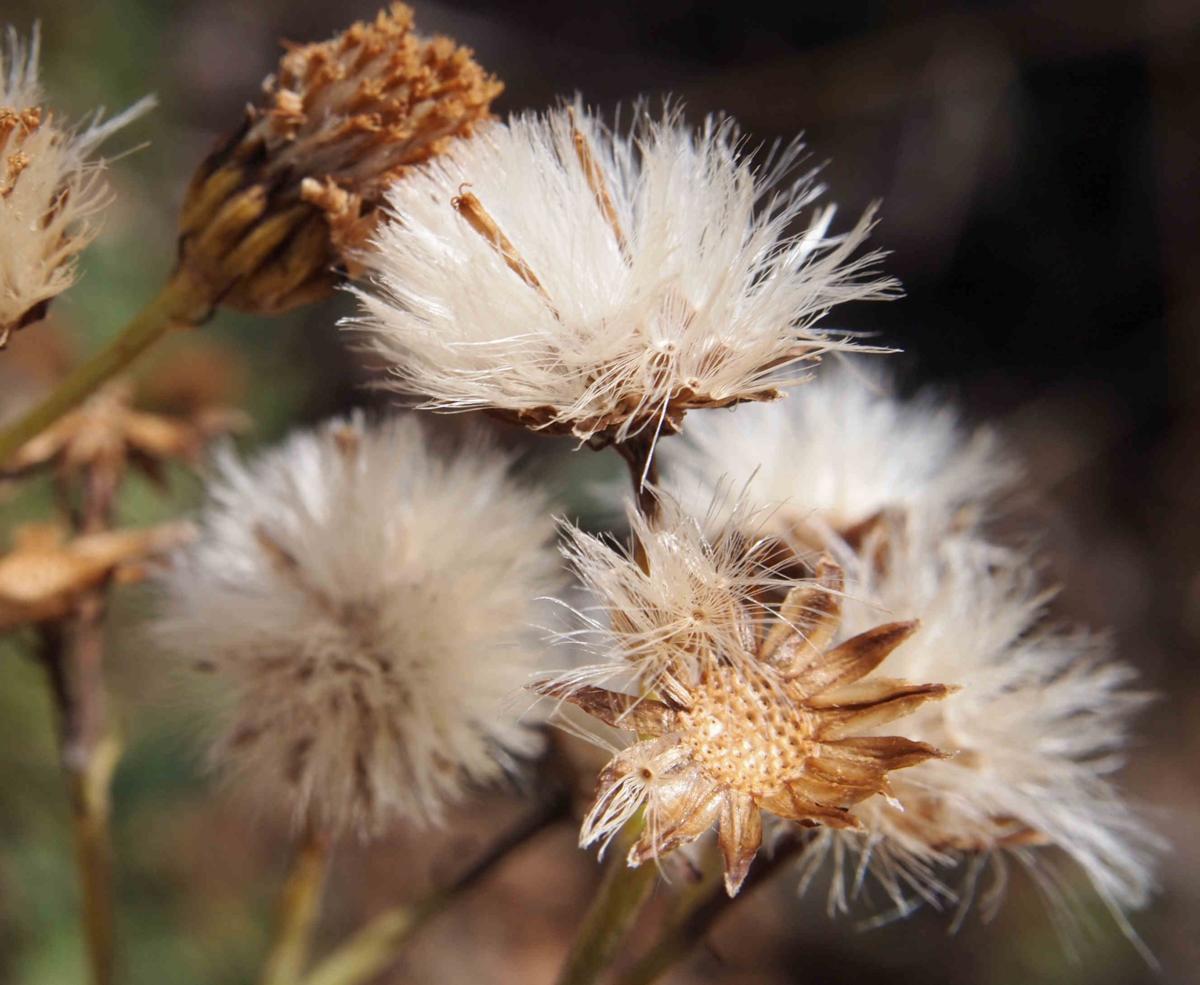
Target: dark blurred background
<point x="1039" y="167"/>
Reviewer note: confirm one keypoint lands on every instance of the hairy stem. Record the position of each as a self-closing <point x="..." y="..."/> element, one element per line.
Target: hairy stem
<point x="622" y="894"/>
<point x="180" y="302"/>
<point x="377" y="944"/>
<point x="696" y="911"/>
<point x="299" y="907"/>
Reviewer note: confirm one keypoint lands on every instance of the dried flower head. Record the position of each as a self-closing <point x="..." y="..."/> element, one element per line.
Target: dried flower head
<point x="364" y="603"/>
<point x="823" y="467"/>
<point x="1036" y="731"/>
<point x="44" y="574"/>
<point x="107" y="433"/>
<point x="602" y="283"/>
<point x="752" y="709"/>
<point x="51" y="188"/>
<point x="274" y="209"/>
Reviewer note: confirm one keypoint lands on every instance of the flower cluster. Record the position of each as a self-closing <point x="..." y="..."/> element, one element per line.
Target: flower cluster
<point x="899" y="491"/>
<point x="815" y="636"/>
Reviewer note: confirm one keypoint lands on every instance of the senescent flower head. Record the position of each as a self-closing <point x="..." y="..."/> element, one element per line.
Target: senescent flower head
<point x="825" y="466"/>
<point x="280" y="204"/>
<point x="51" y="188"/>
<point x="601" y="283"/>
<point x="364" y="603"/>
<point x="763" y="714"/>
<point x="1036" y="732"/>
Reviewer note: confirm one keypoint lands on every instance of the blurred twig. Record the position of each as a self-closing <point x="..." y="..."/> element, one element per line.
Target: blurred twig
<point x="299" y="908"/>
<point x="377" y="945"/>
<point x="697" y="910"/>
<point x="73" y="655"/>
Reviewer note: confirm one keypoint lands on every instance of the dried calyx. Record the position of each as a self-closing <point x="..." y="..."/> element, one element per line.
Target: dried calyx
<point x="44" y="574"/>
<point x="108" y="432"/>
<point x="272" y="215"/>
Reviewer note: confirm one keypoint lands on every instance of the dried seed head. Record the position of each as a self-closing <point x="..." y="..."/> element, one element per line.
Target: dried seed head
<point x="1038" y="729"/>
<point x="51" y="188"/>
<point x="44" y="574"/>
<point x="602" y="283"/>
<point x="823" y="467"/>
<point x="107" y="433"/>
<point x="289" y="196"/>
<point x="770" y="716"/>
<point x="363" y="606"/>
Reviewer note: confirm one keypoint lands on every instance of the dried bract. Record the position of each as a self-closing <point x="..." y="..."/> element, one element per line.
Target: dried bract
<point x="283" y="201"/>
<point x="51" y="188"/>
<point x="44" y="574"/>
<point x="107" y="433"/>
<point x="601" y="283"/>
<point x="362" y="604"/>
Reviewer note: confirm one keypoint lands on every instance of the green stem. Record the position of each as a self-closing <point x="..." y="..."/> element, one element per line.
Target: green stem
<point x="299" y="907"/>
<point x="697" y="910"/>
<point x="88" y="758"/>
<point x="181" y="301"/>
<point x="622" y="894"/>
<point x="377" y="945"/>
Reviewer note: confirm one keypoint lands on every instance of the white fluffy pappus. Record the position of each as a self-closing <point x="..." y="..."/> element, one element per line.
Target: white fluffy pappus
<point x="51" y="187"/>
<point x="837" y="454"/>
<point x="603" y="282"/>
<point x="1035" y="733"/>
<point x="364" y="604"/>
<point x="696" y="601"/>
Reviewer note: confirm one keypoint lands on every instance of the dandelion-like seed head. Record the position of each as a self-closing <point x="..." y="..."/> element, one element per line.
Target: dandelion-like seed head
<point x="51" y="188"/>
<point x="364" y="604"/>
<point x="604" y="282"/>
<point x="822" y="468"/>
<point x="761" y="713"/>
<point x="1037" y="730"/>
<point x="273" y="211"/>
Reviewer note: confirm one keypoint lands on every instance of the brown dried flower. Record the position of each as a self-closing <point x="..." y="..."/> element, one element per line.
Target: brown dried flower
<point x="778" y="722"/>
<point x="44" y="574"/>
<point x="107" y="433"/>
<point x="285" y="198"/>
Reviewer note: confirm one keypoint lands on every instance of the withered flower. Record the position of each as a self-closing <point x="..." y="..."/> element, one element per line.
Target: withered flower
<point x="107" y="433"/>
<point x="51" y="188"/>
<point x="602" y="284"/>
<point x="44" y="573"/>
<point x="779" y="722"/>
<point x="279" y="205"/>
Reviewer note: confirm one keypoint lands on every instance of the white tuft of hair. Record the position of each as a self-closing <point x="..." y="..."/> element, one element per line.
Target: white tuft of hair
<point x="662" y="276"/>
<point x="839" y="452"/>
<point x="52" y="187"/>
<point x="365" y="606"/>
<point x="1038" y="728"/>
